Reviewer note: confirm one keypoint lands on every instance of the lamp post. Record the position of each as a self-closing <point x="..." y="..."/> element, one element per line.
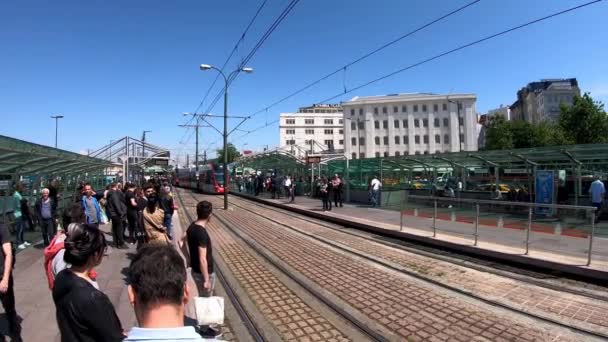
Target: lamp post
<point x="205" y="67"/>
<point x="56" y="117"/>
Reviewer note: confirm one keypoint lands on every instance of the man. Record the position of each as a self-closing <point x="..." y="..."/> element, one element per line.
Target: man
<point x="201" y="256"/>
<point x="154" y="218"/>
<point x="46" y="211"/>
<point x="7" y="293"/>
<point x="19" y="219"/>
<point x="167" y="204"/>
<point x="117" y="210"/>
<point x="597" y="191"/>
<point x="91" y="207"/>
<point x="158" y="292"/>
<point x="337" y="186"/>
<point x="289" y="188"/>
<point x="132" y="211"/>
<point x="375" y="191"/>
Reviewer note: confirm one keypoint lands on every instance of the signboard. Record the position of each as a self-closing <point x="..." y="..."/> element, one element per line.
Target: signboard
<point x="313" y="160"/>
<point x="4" y="184"/>
<point x="545" y="191"/>
<point x="247" y="152"/>
<point x="161" y="162"/>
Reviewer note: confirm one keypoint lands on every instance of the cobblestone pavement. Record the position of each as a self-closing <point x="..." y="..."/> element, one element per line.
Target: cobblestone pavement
<point x="569" y="308"/>
<point x="412" y="310"/>
<point x="293" y="319"/>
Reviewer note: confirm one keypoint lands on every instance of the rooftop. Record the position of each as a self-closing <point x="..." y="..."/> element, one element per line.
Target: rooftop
<point x="406" y="97"/>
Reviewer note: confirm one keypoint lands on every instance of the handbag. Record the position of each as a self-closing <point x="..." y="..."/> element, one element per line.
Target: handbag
<point x="209" y="310"/>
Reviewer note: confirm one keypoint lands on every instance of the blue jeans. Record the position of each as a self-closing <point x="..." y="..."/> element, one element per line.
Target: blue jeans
<point x="167" y="222"/>
<point x="20" y="229"/>
<point x="375" y="198"/>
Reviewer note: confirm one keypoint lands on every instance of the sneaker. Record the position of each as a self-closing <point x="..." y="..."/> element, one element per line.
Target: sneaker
<point x="27" y="244"/>
<point x="22" y="246"/>
<point x="208" y="332"/>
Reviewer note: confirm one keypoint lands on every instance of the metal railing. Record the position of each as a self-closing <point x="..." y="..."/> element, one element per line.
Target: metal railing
<point x="509" y="206"/>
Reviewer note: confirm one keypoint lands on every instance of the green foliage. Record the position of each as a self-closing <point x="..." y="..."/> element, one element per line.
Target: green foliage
<point x="585" y="122"/>
<point x="233" y="153"/>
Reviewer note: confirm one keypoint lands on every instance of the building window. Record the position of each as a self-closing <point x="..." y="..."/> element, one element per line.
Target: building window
<point x="459" y="105"/>
<point x="384" y="110"/>
<point x="461" y="121"/>
<point x="436" y="122"/>
<point x="446" y="122"/>
<point x="425" y="122"/>
<point x="329" y="131"/>
<point x="362" y="155"/>
<point x="437" y="139"/>
<point x="290" y="121"/>
<point x="444" y="106"/>
<point x="375" y="110"/>
<point x="385" y="154"/>
<point x="461" y="138"/>
<point x="437" y="152"/>
<point x="397" y="153"/>
<point x="435" y="108"/>
<point x="385" y="124"/>
<point x="341" y="142"/>
<point x="406" y="140"/>
<point x="329" y="143"/>
<point x="361" y="141"/>
<point x="417" y="139"/>
<point x="396" y="123"/>
<point x="377" y="124"/>
<point x="290" y="131"/>
<point x="416" y="123"/>
<point x="361" y="124"/>
<point x="377" y="140"/>
<point x="395" y="109"/>
<point x="415" y="108"/>
<point x="353" y="141"/>
<point x="424" y="108"/>
<point x="341" y="121"/>
<point x="309" y="131"/>
<point x="397" y="139"/>
<point x="405" y="124"/>
<point x="290" y="142"/>
<point x="309" y="121"/>
<point x="426" y="152"/>
<point x="354" y="155"/>
<point x="352" y="112"/>
<point x="417" y="153"/>
<point x="360" y="111"/>
<point x="377" y="154"/>
<point x="341" y="131"/>
<point x="353" y="126"/>
<point x="404" y="108"/>
<point x="406" y="153"/>
<point x="385" y="140"/>
<point x="426" y="139"/>
<point x="446" y="139"/>
<point x="328" y="121"/>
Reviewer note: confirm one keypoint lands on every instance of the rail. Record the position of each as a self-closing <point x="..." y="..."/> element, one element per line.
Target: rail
<point x="498" y="203"/>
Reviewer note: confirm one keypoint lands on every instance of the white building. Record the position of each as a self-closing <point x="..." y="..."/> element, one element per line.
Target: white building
<point x="318" y="128"/>
<point x="409" y="124"/>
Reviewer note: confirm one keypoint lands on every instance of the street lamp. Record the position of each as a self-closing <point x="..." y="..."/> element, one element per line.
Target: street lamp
<point x="56" y="117"/>
<point x="248" y="70"/>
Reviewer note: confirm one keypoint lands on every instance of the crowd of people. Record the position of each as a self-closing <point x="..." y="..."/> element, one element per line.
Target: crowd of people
<point x="74" y="246"/>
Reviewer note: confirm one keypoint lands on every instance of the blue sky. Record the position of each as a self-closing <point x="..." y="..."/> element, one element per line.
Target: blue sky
<point x="116" y="68"/>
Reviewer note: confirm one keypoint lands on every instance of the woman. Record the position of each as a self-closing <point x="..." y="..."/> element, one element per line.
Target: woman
<point x="323" y="192"/>
<point x="141" y="201"/>
<point x="83" y="312"/>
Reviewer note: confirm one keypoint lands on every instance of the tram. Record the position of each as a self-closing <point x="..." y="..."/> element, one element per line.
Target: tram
<point x="210" y="179"/>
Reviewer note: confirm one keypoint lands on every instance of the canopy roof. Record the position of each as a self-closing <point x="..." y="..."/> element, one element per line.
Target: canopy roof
<point x="26" y="158"/>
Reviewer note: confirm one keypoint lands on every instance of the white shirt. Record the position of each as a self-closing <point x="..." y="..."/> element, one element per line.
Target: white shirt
<point x="287" y="182"/>
<point x="376" y="184"/>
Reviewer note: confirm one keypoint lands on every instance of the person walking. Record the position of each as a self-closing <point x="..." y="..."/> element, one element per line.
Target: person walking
<point x="7" y="292"/>
<point x="91" y="207"/>
<point x="154" y="217"/>
<point x="83" y="312"/>
<point x="117" y="209"/>
<point x="167" y="204"/>
<point x="46" y="211"/>
<point x="19" y="219"/>
<point x="201" y="256"/>
<point x="375" y="187"/>
<point x="597" y="190"/>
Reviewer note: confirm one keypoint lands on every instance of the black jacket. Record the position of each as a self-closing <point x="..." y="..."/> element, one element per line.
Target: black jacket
<point x="116" y="206"/>
<point x="83" y="312"/>
<point x="38" y="206"/>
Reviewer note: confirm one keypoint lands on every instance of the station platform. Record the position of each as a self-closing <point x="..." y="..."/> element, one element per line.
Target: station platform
<point x="549" y="250"/>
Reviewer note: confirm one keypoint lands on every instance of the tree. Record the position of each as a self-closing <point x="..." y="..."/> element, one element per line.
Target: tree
<point x="498" y="134"/>
<point x="585" y="122"/>
<point x="233" y="153"/>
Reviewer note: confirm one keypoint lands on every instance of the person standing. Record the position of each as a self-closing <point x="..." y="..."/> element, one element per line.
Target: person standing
<point x="83" y="312"/>
<point x="7" y="293"/>
<point x="337" y="187"/>
<point x="154" y="217"/>
<point x="91" y="207"/>
<point x="290" y="188"/>
<point x="375" y="187"/>
<point x="323" y="193"/>
<point x="132" y="216"/>
<point x="201" y="256"/>
<point x="46" y="210"/>
<point x="117" y="210"/>
<point x="597" y="190"/>
<point x="19" y="219"/>
<point x="167" y="204"/>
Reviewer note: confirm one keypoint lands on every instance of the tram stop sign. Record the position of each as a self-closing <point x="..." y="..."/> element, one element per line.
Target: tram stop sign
<point x="313" y="160"/>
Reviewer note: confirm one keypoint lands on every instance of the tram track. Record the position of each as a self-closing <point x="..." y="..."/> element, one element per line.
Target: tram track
<point x="580" y="328"/>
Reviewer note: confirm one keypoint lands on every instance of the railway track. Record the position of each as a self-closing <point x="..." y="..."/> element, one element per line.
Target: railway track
<point x="262" y="211"/>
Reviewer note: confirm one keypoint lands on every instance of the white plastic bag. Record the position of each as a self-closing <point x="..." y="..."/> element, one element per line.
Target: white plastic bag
<point x="209" y="310"/>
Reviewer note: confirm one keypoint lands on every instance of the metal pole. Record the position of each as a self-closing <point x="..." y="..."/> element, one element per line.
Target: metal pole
<point x="476" y="223"/>
<point x="591" y="238"/>
<point x="226" y="176"/>
<point x="434" y="218"/>
<point x="196" y="155"/>
<point x="312" y="179"/>
<point x="528" y="228"/>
